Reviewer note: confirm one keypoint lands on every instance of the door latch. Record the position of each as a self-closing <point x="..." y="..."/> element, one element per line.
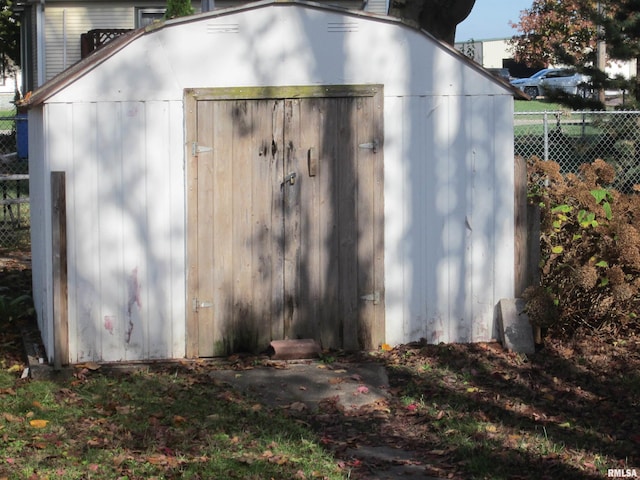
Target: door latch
<point x="291" y="179"/>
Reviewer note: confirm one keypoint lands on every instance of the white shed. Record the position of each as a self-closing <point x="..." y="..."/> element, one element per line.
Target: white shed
<point x="277" y="170"/>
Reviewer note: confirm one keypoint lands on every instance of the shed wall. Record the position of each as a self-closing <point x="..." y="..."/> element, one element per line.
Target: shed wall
<point x="118" y="132"/>
<point x="448" y="216"/>
<point x="125" y="227"/>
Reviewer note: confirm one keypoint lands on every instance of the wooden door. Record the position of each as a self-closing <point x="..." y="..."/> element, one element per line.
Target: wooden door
<point x="285" y="223"/>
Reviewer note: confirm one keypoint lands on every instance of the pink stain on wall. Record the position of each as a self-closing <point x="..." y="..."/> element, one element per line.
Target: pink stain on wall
<point x="109" y="323"/>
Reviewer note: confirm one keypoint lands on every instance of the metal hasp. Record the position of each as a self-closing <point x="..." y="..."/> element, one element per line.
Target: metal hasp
<point x="370" y="146"/>
<point x="372" y="297"/>
<point x="197" y="305"/>
<point x="291" y="178"/>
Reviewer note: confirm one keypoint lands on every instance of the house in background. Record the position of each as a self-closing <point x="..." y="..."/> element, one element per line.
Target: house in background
<point x="56" y="34"/>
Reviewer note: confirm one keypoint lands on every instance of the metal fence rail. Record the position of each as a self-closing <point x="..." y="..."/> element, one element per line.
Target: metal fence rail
<point x="14" y="188"/>
<point x="574" y="138"/>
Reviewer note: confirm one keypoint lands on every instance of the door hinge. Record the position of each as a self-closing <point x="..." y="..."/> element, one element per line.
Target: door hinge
<point x="372" y="297"/>
<point x="196" y="149"/>
<point x="197" y="305"/>
<point x="370" y="146"/>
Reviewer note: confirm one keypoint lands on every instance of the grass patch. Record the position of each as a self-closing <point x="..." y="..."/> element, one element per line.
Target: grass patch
<point x="538" y="106"/>
<point x="158" y="424"/>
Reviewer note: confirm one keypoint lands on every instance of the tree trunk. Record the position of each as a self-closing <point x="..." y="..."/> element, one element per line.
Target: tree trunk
<point x="438" y="17"/>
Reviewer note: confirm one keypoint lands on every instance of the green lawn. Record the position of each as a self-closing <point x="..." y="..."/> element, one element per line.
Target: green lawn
<point x="537" y="106"/>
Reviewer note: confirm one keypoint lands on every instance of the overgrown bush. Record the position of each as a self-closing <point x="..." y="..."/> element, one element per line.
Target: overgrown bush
<point x="590" y="251"/>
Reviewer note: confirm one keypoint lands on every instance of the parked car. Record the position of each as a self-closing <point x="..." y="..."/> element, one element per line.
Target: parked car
<point x="564" y="79"/>
<point x="502" y="73"/>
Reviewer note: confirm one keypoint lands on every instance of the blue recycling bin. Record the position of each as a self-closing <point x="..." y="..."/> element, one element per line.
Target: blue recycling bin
<point x="22" y="135"/>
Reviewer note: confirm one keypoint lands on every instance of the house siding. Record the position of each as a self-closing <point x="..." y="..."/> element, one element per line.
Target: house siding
<point x="65" y="25"/>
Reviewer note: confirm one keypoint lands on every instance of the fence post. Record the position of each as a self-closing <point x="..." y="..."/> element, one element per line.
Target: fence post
<point x="59" y="268"/>
<point x="545" y="123"/>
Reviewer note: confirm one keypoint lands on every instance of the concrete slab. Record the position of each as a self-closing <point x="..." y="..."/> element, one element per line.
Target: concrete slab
<point x="303" y="385"/>
<point x="389" y="463"/>
<point x="516" y="333"/>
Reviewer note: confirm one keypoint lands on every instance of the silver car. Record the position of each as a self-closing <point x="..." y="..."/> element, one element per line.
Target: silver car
<point x="564" y="79"/>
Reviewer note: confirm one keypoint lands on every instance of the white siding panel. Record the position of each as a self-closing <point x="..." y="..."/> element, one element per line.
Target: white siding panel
<point x="503" y="213"/>
<point x="481" y="160"/>
<point x="134" y="227"/>
<point x="165" y="220"/>
<point x="112" y="279"/>
<point x="395" y="225"/>
<point x="177" y="231"/>
<point x="83" y="237"/>
<point x="59" y="152"/>
<point x="39" y="239"/>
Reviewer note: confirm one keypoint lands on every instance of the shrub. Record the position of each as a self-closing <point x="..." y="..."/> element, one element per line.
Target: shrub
<point x="178" y="8"/>
<point x="590" y="251"/>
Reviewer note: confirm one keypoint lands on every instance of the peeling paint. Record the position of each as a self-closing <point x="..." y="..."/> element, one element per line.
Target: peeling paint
<point x="134" y="299"/>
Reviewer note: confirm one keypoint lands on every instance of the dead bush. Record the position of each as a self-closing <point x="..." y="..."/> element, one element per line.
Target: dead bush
<point x="590" y="251"/>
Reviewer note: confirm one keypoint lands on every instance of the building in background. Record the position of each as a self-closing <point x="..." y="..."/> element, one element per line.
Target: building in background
<point x="496" y="53"/>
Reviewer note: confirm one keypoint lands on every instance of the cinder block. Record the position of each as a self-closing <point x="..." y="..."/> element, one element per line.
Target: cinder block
<point x="516" y="333"/>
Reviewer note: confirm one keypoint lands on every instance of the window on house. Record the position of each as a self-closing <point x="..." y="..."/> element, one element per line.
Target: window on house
<point x="146" y="16"/>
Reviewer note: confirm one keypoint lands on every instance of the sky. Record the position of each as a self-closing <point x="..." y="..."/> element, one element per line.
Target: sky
<point x="490" y="19"/>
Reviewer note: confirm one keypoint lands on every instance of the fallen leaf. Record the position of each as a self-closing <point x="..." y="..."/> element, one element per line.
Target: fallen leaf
<point x="38" y="423"/>
<point x="178" y="419"/>
<point x="11" y="418"/>
<point x="385" y="347"/>
<point x="157" y="459"/>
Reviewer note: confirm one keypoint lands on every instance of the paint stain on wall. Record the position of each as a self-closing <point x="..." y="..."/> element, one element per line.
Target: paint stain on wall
<point x="109" y="323"/>
<point x="134" y="300"/>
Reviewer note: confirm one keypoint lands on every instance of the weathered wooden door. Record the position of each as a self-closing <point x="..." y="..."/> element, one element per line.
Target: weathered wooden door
<point x="285" y="220"/>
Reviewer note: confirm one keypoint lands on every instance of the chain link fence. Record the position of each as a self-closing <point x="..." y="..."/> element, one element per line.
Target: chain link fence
<point x="575" y="138"/>
<point x="14" y="183"/>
